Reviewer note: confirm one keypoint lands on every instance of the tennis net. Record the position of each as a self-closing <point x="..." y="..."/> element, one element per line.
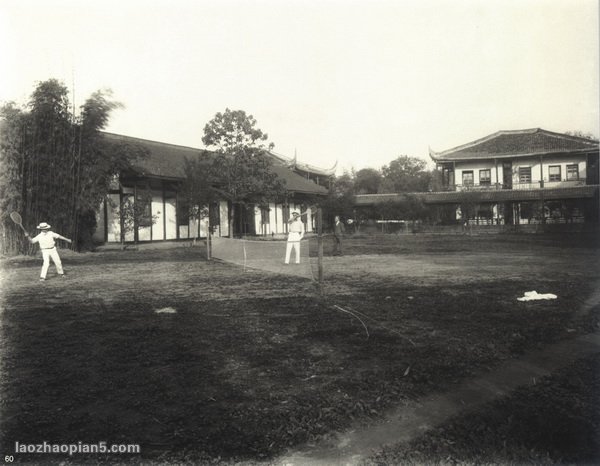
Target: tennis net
<point x="267" y="255"/>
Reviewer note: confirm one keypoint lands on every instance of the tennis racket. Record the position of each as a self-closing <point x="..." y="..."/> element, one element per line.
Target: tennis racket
<point x="16" y="217"/>
<point x="312" y="208"/>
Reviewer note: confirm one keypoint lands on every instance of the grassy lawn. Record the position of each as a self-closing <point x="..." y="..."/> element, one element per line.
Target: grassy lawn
<point x="555" y="421"/>
<point x="253" y="364"/>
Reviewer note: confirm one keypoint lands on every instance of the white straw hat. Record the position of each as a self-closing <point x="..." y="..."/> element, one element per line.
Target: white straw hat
<point x="43" y="226"/>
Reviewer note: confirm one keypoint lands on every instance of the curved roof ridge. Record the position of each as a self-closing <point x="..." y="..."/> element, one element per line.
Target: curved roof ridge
<point x="293" y="162"/>
<point x="160" y="143"/>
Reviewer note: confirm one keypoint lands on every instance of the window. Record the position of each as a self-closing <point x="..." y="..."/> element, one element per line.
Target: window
<point x="264" y="215"/>
<point x="143" y="207"/>
<point x="447" y="177"/>
<point x="183" y="211"/>
<point x="524" y="174"/>
<point x="467" y="178"/>
<point x="572" y="172"/>
<point x="554" y="173"/>
<point x="485" y="177"/>
<point x="214" y="214"/>
<point x="285" y="214"/>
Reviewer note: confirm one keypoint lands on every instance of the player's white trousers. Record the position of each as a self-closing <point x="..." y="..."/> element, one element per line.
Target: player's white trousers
<point x="46" y="255"/>
<point x="293" y="243"/>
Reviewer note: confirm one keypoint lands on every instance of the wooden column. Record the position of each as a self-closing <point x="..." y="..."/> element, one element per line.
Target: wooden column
<point x="105" y="213"/>
<point x="121" y="220"/>
<point x="454" y="175"/>
<point x="135" y="222"/>
<point x="320" y="246"/>
<point x="164" y="203"/>
<point x="542" y="188"/>
<point x="497" y="179"/>
<point x="209" y="241"/>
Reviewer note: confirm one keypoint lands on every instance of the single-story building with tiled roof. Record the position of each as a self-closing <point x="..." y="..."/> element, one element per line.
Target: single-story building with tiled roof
<point x="513" y="177"/>
<point x="159" y="176"/>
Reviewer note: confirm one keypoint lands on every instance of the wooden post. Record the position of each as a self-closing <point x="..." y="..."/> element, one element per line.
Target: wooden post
<point x="164" y="210"/>
<point x="208" y="242"/>
<point x="598" y="190"/>
<point x="320" y="246"/>
<point x="497" y="180"/>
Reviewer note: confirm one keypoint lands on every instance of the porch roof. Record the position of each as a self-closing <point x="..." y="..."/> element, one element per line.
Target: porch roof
<point x="507" y="195"/>
<point x="501" y="195"/>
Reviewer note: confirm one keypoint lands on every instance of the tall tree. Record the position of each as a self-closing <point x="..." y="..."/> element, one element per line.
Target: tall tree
<point x="340" y="200"/>
<point x="198" y="191"/>
<point x="367" y="181"/>
<point x="12" y="123"/>
<point x="241" y="170"/>
<point x="58" y="165"/>
<point x="405" y="174"/>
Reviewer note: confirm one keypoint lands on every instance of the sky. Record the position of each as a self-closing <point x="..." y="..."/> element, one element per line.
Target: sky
<point x="355" y="82"/>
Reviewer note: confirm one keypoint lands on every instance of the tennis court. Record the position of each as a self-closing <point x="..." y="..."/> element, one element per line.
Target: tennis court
<point x="252" y="363"/>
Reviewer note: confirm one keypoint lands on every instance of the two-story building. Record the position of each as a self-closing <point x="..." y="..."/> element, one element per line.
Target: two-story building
<point x="511" y="178"/>
<point x="520" y="176"/>
<point x="156" y="180"/>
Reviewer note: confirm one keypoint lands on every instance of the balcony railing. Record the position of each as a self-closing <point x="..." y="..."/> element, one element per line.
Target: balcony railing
<point x="529" y="185"/>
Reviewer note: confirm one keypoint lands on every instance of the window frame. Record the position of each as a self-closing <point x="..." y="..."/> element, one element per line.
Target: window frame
<point x="182" y="210"/>
<point x="570" y="166"/>
<point x="265" y="216"/>
<point x="551" y="175"/>
<point x="485" y="181"/>
<point x="525" y="178"/>
<point x="464" y="172"/>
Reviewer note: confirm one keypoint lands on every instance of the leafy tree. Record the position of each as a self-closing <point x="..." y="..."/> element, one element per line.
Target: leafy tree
<point x="234" y="130"/>
<point x="198" y="191"/>
<point x="58" y="166"/>
<point x="12" y="122"/>
<point x="340" y="199"/>
<point x="582" y="134"/>
<point x="405" y="174"/>
<point x="343" y="184"/>
<point x="134" y="213"/>
<point x="240" y="170"/>
<point x="367" y="181"/>
<point x="406" y="207"/>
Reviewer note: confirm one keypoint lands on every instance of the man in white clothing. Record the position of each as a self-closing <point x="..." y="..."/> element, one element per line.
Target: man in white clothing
<point x="295" y="235"/>
<point x="46" y="241"/>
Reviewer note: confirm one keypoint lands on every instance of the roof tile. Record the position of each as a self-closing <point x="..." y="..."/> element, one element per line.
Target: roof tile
<point x="516" y="143"/>
<point x="168" y="161"/>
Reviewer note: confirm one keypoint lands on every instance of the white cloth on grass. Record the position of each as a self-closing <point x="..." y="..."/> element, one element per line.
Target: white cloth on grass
<point x="534" y="295"/>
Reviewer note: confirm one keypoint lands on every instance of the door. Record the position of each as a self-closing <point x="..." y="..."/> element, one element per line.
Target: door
<point x="592" y="173"/>
<point x="506" y="175"/>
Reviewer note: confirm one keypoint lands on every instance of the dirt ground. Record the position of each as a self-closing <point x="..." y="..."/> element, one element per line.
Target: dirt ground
<point x="252" y="364"/>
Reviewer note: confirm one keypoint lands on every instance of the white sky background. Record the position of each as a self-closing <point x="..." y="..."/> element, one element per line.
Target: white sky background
<point x="360" y="82"/>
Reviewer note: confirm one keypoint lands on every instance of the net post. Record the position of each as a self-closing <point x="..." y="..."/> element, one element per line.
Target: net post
<point x="320" y="246"/>
<point x="209" y="243"/>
